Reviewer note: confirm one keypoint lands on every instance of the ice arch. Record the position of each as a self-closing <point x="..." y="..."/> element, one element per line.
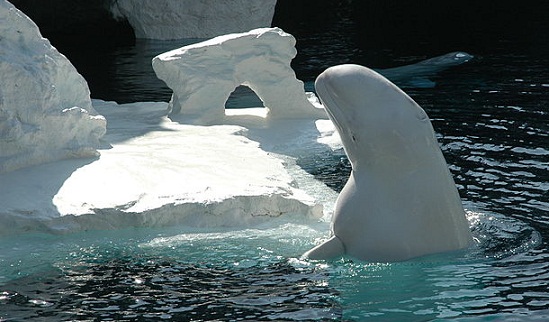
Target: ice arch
<point x="203" y="76"/>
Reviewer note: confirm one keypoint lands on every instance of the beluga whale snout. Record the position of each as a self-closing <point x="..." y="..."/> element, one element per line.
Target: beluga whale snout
<point x="400" y="201"/>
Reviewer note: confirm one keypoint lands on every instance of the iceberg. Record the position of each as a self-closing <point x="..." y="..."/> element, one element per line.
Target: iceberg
<point x="177" y="19"/>
<point x="46" y="112"/>
<point x="160" y="173"/>
<point x="151" y="171"/>
<point x="203" y="76"/>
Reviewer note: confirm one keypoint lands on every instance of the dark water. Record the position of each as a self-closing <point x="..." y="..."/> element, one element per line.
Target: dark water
<point x="152" y="289"/>
<point x="492" y="119"/>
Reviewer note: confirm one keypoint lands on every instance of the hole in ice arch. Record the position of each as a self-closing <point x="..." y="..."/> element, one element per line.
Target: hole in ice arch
<point x="243" y="97"/>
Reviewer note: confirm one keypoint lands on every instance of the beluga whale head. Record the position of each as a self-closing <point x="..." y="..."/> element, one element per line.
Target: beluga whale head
<point x="400" y="200"/>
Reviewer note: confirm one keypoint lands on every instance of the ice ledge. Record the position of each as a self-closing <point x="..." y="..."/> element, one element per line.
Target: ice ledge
<point x="238" y="211"/>
<point x="156" y="173"/>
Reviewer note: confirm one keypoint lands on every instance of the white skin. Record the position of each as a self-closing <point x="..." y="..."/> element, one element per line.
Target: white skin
<point x="400" y="201"/>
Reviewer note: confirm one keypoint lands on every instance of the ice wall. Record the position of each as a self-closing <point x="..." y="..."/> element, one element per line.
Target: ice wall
<point x="203" y="75"/>
<point x="175" y="19"/>
<point x="45" y="107"/>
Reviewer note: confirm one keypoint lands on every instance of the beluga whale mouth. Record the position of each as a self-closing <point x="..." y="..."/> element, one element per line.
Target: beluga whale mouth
<point x="400" y="201"/>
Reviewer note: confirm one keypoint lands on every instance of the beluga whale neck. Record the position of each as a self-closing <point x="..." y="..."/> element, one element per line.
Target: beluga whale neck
<point x="400" y="201"/>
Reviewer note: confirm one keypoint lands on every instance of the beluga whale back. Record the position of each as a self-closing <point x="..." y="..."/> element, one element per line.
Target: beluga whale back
<point x="400" y="201"/>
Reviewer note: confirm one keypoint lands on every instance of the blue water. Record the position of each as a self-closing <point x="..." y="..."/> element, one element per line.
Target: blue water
<point x="491" y="117"/>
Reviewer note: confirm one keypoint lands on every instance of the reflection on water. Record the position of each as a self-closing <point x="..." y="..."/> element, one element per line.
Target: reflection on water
<point x="125" y="74"/>
<point x="156" y="290"/>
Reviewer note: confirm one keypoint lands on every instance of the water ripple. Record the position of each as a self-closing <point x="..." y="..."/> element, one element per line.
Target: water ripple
<point x="153" y="289"/>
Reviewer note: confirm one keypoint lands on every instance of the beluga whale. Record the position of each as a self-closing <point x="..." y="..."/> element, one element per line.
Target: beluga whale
<point x="400" y="201"/>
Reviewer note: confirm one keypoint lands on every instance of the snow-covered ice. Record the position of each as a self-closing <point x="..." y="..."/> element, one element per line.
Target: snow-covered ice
<point x="45" y="108"/>
<point x="203" y="76"/>
<point x="176" y="19"/>
<point x="160" y="173"/>
<point x="152" y="171"/>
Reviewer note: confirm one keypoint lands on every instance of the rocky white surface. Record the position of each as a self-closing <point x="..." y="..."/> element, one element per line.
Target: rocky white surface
<point x="45" y="108"/>
<point x="176" y="19"/>
<point x="161" y="173"/>
<point x="203" y="75"/>
<point x="151" y="171"/>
